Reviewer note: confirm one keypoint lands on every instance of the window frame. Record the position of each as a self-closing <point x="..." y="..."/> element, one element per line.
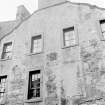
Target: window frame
<point x="74" y="27"/>
<point x="5" y="45"/>
<point x="41" y="86"/>
<point x="3" y="77"/>
<point x="32" y="45"/>
<point x="101" y="32"/>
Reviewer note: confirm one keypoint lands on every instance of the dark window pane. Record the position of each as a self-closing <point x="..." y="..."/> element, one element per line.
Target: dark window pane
<point x="37" y="92"/>
<point x="7" y="55"/>
<point x="102" y="21"/>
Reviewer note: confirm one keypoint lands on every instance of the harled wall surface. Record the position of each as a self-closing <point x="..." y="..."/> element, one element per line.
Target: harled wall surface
<point x="78" y="71"/>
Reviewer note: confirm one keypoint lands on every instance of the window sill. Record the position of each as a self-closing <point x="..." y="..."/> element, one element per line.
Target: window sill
<point x="34" y="100"/>
<point x="30" y="54"/>
<point x="64" y="47"/>
<point x="6" y="59"/>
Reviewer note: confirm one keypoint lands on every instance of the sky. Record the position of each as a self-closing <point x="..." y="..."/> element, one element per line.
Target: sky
<point x="8" y="8"/>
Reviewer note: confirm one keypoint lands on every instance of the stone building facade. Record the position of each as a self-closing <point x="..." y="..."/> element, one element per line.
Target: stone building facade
<point x="56" y="56"/>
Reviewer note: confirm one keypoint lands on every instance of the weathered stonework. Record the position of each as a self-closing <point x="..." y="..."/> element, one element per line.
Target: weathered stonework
<point x="70" y="76"/>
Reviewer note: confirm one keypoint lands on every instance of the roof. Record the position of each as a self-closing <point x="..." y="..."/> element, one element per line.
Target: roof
<point x="6" y="27"/>
<point x="9" y="26"/>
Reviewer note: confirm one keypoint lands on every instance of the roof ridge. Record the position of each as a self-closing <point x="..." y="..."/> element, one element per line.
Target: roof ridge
<point x="87" y="4"/>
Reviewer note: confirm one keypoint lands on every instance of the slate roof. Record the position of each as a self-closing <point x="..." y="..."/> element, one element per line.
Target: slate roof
<point x="7" y="27"/>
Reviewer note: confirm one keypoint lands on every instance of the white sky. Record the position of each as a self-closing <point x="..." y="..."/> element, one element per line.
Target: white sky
<point x="8" y="8"/>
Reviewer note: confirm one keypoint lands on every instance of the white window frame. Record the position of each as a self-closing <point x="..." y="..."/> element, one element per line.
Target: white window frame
<point x="74" y="28"/>
<point x="32" y="43"/>
<point x="4" y="52"/>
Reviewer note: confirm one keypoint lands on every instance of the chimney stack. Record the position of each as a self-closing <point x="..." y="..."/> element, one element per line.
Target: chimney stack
<point x="22" y="13"/>
<point x="47" y="3"/>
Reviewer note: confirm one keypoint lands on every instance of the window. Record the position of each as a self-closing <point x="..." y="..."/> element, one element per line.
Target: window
<point x="102" y="23"/>
<point x="34" y="84"/>
<point x="2" y="86"/>
<point x="7" y="51"/>
<point x="36" y="46"/>
<point x="69" y="37"/>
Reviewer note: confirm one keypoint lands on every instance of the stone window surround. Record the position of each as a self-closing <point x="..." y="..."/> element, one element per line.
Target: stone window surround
<point x="42" y="36"/>
<point x="38" y="99"/>
<point x="76" y="36"/>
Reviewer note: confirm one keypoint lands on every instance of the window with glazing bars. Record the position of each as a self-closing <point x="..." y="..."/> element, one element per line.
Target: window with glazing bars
<point x="34" y="84"/>
<point x="36" y="44"/>
<point x="7" y="51"/>
<point x="102" y="23"/>
<point x="69" y="37"/>
<point x="2" y="86"/>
